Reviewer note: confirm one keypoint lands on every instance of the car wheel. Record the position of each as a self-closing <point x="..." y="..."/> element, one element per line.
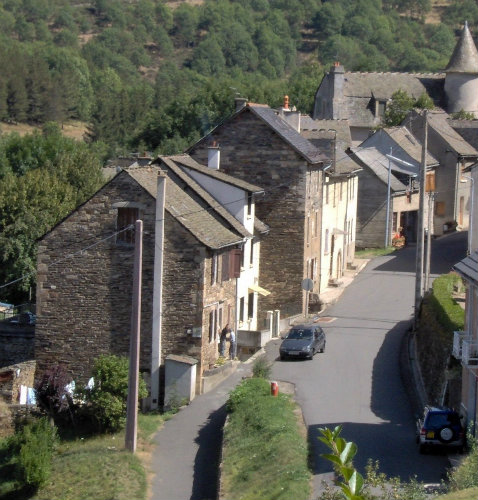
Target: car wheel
<point x="323" y="348"/>
<point x="422" y="448"/>
<point x="445" y="435"/>
<point x="282" y="358"/>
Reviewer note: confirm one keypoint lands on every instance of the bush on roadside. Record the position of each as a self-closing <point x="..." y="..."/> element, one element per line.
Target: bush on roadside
<point x="32" y="448"/>
<point x="465" y="475"/>
<point x="261" y="368"/>
<point x="105" y="403"/>
<point x="246" y="391"/>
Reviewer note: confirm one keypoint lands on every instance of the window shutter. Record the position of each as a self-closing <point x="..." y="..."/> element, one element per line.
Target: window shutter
<point x="225" y="266"/>
<point x="235" y="259"/>
<point x="430" y="182"/>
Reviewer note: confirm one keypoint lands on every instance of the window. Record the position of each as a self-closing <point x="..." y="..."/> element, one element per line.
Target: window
<point x="212" y="326"/>
<point x="307" y="229"/>
<point x="214" y="269"/>
<point x="394" y="222"/>
<point x="225" y="267"/>
<point x="127" y="216"/>
<point x="326" y="246"/>
<point x="250" y="305"/>
<point x="231" y="264"/>
<point x="249" y="204"/>
<point x="241" y="309"/>
<point x="251" y="255"/>
<point x="440" y="208"/>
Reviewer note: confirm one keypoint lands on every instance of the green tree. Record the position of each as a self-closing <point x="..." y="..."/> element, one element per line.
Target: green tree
<point x="398" y="108"/>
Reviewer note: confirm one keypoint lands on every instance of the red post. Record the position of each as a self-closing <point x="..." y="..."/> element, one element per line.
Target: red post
<point x="274" y="388"/>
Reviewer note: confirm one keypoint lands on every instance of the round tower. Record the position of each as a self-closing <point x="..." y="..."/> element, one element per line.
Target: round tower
<point x="461" y="80"/>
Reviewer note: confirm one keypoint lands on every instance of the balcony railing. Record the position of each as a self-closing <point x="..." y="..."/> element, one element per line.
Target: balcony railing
<point x="469" y="352"/>
<point x="458" y="338"/>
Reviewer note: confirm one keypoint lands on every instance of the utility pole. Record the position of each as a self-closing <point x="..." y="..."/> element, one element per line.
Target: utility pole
<point x="133" y="379"/>
<point x="387" y="222"/>
<point x="431" y="196"/>
<point x="421" y="225"/>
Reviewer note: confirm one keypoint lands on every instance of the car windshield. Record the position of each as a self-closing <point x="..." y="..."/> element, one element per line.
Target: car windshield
<point x="299" y="334"/>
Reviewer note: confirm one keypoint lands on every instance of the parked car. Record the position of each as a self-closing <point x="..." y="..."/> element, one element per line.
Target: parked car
<point x="302" y="341"/>
<point x="440" y="427"/>
<point x="26" y="318"/>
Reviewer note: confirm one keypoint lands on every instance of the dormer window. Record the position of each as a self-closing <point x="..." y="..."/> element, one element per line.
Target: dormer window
<point x="380" y="108"/>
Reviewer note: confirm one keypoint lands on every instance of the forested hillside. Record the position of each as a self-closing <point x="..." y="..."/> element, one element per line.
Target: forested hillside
<point x="156" y="75"/>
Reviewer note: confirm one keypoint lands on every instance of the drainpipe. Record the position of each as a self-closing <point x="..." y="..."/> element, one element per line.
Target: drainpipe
<point x="157" y="290"/>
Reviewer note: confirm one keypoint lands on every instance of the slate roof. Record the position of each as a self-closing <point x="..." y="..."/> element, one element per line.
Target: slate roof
<point x="409" y="143"/>
<point x="201" y="221"/>
<point x="378" y="163"/>
<point x="465" y="56"/>
<point x="360" y="90"/>
<point x="189" y="162"/>
<point x="287" y="132"/>
<point x="468" y="268"/>
<point x="321" y="133"/>
<point x="438" y="120"/>
<point x="199" y="191"/>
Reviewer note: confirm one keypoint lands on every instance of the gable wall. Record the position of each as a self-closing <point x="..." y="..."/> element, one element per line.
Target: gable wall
<point x="251" y="151"/>
<point x="84" y="302"/>
<point x="371" y="211"/>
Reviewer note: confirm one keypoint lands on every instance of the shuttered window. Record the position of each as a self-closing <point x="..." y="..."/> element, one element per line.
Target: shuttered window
<point x="127" y="216"/>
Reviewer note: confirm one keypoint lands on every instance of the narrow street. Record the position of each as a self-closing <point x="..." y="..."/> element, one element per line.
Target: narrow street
<point x="357" y="381"/>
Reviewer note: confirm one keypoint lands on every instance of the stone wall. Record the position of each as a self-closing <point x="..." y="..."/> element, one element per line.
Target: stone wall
<point x="17" y="344"/>
<point x="84" y="302"/>
<point x="251" y="151"/>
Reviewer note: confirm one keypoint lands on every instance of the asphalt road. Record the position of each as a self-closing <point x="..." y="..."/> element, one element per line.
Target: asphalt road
<point x="357" y="381"/>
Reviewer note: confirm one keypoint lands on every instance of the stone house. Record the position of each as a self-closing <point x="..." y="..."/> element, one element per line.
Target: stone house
<point x="192" y="247"/>
<point x="339" y="197"/>
<point x="265" y="146"/>
<point x="454" y="154"/>
<point x="404" y="159"/>
<point x="362" y="97"/>
<point x="465" y="344"/>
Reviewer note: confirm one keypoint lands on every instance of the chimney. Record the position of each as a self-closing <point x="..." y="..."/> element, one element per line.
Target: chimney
<point x="213" y="156"/>
<point x="291" y="116"/>
<point x="240" y="102"/>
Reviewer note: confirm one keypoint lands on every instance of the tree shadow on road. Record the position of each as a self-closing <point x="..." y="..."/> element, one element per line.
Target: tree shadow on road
<point x="391" y="439"/>
<point x="206" y="463"/>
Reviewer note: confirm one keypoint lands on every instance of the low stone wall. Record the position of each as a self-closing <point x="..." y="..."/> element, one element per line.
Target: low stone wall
<point x="211" y="378"/>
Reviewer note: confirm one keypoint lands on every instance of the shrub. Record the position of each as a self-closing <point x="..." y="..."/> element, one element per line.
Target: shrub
<point x="247" y="390"/>
<point x="261" y="368"/>
<point x="34" y="446"/>
<point x="105" y="402"/>
<point x="51" y="393"/>
<point x="465" y="476"/>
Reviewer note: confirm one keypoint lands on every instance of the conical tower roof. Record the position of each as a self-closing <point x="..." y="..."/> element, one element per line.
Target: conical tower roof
<point x="465" y="56"/>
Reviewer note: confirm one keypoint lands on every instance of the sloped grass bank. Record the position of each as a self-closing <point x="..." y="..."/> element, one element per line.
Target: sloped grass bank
<point x="264" y="451"/>
<point x="440" y="316"/>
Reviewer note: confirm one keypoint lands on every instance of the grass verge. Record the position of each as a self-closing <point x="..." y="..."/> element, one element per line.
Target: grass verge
<point x="467" y="494"/>
<point x="264" y="452"/>
<point x="370" y="253"/>
<point x="92" y="467"/>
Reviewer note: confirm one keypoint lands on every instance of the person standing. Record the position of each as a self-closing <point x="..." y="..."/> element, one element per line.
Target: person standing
<point x="232" y="344"/>
<point x="222" y="340"/>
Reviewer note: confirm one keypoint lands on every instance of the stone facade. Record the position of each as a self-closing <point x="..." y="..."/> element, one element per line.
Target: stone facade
<point x="84" y="302"/>
<point x="252" y="151"/>
<point x="16" y="344"/>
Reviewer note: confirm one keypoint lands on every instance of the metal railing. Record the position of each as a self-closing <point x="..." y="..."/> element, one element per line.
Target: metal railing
<point x="458" y="338"/>
<point x="469" y="352"/>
